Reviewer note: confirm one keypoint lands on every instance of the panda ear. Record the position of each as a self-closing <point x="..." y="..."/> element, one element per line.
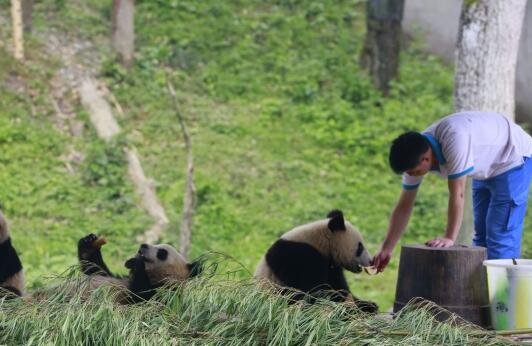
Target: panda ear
<point x="336" y="222"/>
<point x="334" y="213"/>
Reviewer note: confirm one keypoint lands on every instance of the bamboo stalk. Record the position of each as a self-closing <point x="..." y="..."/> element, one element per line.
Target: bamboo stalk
<point x="514" y="332"/>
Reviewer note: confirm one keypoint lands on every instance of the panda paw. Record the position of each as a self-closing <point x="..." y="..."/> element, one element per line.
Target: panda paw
<point x="86" y="246"/>
<point x="367" y="306"/>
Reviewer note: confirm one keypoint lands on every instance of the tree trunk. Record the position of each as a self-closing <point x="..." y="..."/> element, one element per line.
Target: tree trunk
<point x="189" y="199"/>
<point x="123" y="36"/>
<point x="380" y="54"/>
<point x="189" y="203"/>
<point x="27" y="13"/>
<point x="18" y="40"/>
<point x="488" y="42"/>
<point x="465" y="235"/>
<point x="486" y="58"/>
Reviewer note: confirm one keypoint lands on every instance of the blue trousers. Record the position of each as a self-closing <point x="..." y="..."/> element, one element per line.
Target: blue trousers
<point x="499" y="207"/>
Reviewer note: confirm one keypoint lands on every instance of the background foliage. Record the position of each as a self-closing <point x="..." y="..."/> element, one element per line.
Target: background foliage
<point x="285" y="127"/>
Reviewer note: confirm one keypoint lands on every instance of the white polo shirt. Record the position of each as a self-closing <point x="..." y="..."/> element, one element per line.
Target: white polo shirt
<point x="479" y="144"/>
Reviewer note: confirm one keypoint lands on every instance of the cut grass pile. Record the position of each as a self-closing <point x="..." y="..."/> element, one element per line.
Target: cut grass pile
<point x="219" y="310"/>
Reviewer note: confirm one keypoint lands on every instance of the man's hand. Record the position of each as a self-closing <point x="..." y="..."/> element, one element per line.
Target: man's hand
<point x="440" y="242"/>
<point x="381" y="260"/>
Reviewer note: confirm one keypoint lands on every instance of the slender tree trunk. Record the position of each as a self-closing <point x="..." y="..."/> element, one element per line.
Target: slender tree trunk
<point x="18" y="40"/>
<point x="465" y="235"/>
<point x="380" y="54"/>
<point x="189" y="203"/>
<point x="27" y="13"/>
<point x="189" y="200"/>
<point x="486" y="58"/>
<point x="123" y="36"/>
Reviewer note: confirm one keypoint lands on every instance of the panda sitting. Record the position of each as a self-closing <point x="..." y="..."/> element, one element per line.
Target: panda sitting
<point x="311" y="258"/>
<point x="152" y="266"/>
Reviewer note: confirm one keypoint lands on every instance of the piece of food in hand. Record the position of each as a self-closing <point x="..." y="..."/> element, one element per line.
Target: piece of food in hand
<point x="371" y="270"/>
<point x="99" y="242"/>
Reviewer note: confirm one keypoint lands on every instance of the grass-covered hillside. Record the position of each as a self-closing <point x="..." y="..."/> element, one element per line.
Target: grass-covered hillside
<point x="285" y="127"/>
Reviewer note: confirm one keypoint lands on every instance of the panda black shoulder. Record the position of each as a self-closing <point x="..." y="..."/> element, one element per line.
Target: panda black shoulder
<point x="297" y="264"/>
<point x="11" y="272"/>
<point x="10" y="261"/>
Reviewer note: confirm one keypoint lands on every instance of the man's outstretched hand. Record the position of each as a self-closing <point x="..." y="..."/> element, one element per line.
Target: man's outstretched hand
<point x="381" y="260"/>
<point x="440" y="242"/>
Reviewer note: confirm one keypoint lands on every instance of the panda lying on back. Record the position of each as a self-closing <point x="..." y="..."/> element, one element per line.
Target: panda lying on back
<point x="152" y="266"/>
<point x="311" y="258"/>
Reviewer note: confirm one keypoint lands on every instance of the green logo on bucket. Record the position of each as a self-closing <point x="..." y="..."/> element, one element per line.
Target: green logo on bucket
<point x="501" y="307"/>
<point x="501" y="304"/>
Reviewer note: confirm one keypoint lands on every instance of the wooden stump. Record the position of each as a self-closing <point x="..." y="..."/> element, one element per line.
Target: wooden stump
<point x="452" y="277"/>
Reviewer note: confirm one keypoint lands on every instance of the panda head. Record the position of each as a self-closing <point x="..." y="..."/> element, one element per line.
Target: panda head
<point x="162" y="264"/>
<point x="346" y="244"/>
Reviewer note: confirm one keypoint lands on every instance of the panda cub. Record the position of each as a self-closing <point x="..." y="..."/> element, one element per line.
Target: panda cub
<point x="153" y="266"/>
<point x="11" y="274"/>
<point x="311" y="258"/>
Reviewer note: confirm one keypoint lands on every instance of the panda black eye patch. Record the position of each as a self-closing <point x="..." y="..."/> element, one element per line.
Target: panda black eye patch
<point x="162" y="254"/>
<point x="360" y="249"/>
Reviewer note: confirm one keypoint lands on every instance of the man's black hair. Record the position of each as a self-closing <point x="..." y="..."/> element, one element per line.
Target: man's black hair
<point x="406" y="151"/>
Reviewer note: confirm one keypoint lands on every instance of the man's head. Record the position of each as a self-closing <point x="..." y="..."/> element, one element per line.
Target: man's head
<point x="410" y="153"/>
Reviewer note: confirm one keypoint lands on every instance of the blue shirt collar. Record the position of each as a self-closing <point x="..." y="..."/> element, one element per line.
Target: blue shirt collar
<point x="436" y="148"/>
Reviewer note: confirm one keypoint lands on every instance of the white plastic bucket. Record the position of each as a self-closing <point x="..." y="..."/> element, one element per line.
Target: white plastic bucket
<point x="510" y="293"/>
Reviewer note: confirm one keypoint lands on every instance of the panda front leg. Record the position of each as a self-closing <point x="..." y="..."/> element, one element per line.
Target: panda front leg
<point x="339" y="283"/>
<point x="90" y="256"/>
<point x="139" y="281"/>
<point x="365" y="305"/>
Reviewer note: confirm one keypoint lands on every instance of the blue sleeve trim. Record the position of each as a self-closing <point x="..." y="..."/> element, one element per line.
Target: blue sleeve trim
<point x="436" y="148"/>
<point x="458" y="175"/>
<point x="410" y="187"/>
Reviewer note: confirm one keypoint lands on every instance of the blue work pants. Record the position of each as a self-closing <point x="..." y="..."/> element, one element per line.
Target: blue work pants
<point x="499" y="207"/>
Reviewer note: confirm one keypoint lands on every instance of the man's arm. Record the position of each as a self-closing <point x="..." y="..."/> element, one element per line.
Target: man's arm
<point x="398" y="221"/>
<point x="455" y="213"/>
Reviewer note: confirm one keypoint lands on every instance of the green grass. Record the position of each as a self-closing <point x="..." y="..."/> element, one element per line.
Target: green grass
<point x="48" y="207"/>
<point x="285" y="127"/>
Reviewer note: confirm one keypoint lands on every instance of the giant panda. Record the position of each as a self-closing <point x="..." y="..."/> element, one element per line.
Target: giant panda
<point x="11" y="273"/>
<point x="153" y="266"/>
<point x="310" y="260"/>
